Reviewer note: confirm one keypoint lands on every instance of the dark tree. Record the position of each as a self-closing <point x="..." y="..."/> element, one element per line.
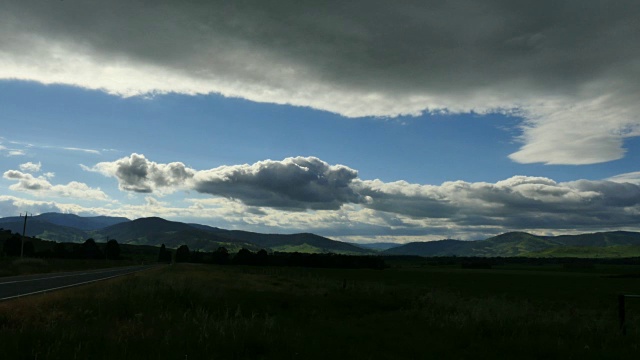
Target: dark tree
<point x="60" y="251"/>
<point x="243" y="257"/>
<point x="220" y="256"/>
<point x="262" y="258"/>
<point x="183" y="254"/>
<point x="29" y="249"/>
<point x="196" y="257"/>
<point x="90" y="250"/>
<point x="164" y="256"/>
<point x="12" y="245"/>
<point x="112" y="250"/>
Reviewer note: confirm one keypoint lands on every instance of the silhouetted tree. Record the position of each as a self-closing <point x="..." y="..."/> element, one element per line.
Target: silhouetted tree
<point x="112" y="250"/>
<point x="12" y="245"/>
<point x="243" y="257"/>
<point x="60" y="251"/>
<point x="29" y="249"/>
<point x="262" y="258"/>
<point x="90" y="250"/>
<point x="183" y="254"/>
<point x="164" y="256"/>
<point x="196" y="257"/>
<point x="220" y="256"/>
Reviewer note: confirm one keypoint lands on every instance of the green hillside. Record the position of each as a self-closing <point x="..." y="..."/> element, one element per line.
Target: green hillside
<point x="154" y="231"/>
<point x="509" y="244"/>
<point x="616" y="251"/>
<point x="514" y="244"/>
<point x="45" y="230"/>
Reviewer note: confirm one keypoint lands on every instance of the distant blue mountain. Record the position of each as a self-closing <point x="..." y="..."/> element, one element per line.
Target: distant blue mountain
<point x="71" y="220"/>
<point x="379" y="246"/>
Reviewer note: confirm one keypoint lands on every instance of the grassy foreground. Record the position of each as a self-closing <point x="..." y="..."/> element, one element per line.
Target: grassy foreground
<point x="215" y="312"/>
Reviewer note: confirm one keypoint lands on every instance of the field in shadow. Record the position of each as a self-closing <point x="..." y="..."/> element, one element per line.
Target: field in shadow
<point x="192" y="311"/>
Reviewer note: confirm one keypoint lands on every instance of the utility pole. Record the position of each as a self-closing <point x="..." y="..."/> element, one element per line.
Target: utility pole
<point x="24" y="230"/>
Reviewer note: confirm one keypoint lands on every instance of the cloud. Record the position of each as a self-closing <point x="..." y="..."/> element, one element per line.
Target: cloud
<point x="88" y="151"/>
<point x="31" y="167"/>
<point x="15" y="152"/>
<point x="632" y="177"/>
<point x="11" y="151"/>
<point x="302" y="191"/>
<point x="26" y="182"/>
<point x="12" y="206"/>
<point x="40" y="186"/>
<point x="286" y="200"/>
<point x="568" y="68"/>
<point x="293" y="183"/>
<point x="137" y="174"/>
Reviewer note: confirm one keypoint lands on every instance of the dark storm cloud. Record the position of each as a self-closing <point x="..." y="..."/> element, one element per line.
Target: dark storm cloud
<point x="454" y="46"/>
<point x="568" y="67"/>
<point x="295" y="183"/>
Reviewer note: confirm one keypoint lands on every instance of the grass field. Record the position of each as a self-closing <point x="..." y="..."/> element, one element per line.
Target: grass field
<point x="233" y="312"/>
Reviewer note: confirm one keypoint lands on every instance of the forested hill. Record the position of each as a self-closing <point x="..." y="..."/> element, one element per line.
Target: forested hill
<point x="603" y="244"/>
<point x="155" y="231"/>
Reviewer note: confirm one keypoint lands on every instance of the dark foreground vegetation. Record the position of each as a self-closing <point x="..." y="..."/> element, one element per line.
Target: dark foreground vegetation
<point x="43" y="256"/>
<point x="411" y="310"/>
<point x="262" y="258"/>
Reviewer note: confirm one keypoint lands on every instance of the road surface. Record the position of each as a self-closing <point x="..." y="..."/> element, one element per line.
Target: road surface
<point x="17" y="286"/>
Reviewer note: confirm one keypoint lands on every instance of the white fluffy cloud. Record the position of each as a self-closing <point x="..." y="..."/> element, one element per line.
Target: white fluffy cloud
<point x="309" y="191"/>
<point x="136" y="173"/>
<point x="568" y="67"/>
<point x="40" y="186"/>
<point x="31" y="167"/>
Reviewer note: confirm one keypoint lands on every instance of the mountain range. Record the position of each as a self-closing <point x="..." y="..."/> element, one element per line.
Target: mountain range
<point x="155" y="231"/>
<point x="601" y="244"/>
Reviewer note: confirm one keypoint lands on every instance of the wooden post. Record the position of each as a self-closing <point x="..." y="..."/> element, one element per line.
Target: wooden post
<point x="621" y="314"/>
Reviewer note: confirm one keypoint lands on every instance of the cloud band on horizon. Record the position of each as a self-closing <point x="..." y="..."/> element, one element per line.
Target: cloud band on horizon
<point x="303" y="184"/>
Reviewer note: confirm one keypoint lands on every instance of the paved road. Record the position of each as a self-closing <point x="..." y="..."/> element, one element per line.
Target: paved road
<point x="16" y="286"/>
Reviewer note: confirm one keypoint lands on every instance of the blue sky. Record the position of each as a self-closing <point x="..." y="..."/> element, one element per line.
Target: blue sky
<point x="343" y="127"/>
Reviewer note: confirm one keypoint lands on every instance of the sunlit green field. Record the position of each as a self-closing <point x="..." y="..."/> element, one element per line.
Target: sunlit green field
<point x="216" y="312"/>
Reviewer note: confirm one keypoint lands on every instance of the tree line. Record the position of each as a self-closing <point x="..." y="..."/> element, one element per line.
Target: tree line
<point x="221" y="256"/>
<point x="14" y="247"/>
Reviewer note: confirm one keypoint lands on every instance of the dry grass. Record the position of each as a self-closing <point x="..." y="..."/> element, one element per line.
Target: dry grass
<point x="211" y="312"/>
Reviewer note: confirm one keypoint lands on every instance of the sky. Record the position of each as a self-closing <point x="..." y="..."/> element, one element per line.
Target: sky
<point x="361" y="121"/>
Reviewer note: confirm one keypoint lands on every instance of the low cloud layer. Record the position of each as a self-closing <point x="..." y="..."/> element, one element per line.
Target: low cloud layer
<point x="304" y="184"/>
<point x="569" y="68"/>
<point x="41" y="187"/>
